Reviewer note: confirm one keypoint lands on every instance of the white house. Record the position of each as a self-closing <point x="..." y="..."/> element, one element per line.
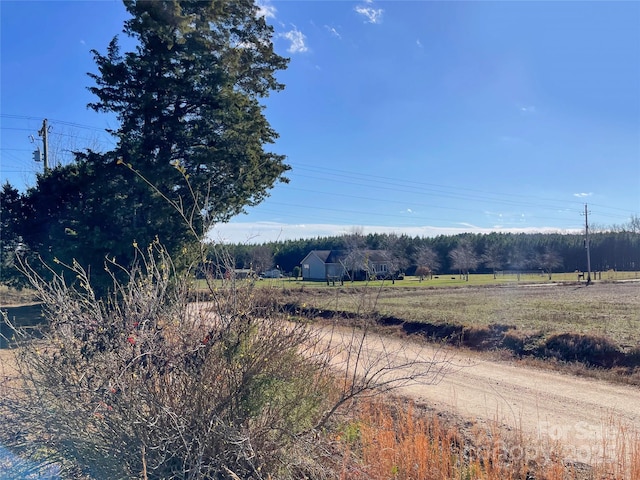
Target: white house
<point x="323" y="265"/>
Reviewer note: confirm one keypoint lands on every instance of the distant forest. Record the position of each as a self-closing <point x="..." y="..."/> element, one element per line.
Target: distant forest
<point x="617" y="250"/>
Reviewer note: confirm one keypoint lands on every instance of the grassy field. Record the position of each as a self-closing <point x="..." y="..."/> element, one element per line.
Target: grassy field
<point x="610" y="307"/>
<point x="12" y="297"/>
<point x="450" y="280"/>
<point x="446" y="281"/>
<point x="535" y="305"/>
<point x="604" y="308"/>
<point x="567" y="321"/>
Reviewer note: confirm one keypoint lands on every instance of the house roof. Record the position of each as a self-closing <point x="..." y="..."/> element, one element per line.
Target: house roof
<point x="322" y="254"/>
<point x="336" y="256"/>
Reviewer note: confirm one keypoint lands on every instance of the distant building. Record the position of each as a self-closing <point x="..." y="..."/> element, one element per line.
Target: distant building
<point x="322" y="265"/>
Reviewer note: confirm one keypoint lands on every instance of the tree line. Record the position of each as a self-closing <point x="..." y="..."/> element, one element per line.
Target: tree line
<point x="616" y="248"/>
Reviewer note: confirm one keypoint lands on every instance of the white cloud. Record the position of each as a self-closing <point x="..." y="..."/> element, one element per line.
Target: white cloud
<point x="489" y="212"/>
<point x="333" y="31"/>
<point x="82" y="42"/>
<point x="582" y="195"/>
<point x="528" y="109"/>
<point x="259" y="232"/>
<point x="373" y="15"/>
<point x="266" y="10"/>
<point x="506" y="218"/>
<point x="419" y="43"/>
<point x="467" y="225"/>
<point x="297" y="39"/>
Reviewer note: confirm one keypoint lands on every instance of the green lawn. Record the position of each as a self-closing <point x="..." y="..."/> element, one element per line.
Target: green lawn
<point x="474" y="279"/>
<point x="447" y="280"/>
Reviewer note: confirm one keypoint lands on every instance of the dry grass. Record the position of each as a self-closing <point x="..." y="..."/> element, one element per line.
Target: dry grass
<point x="606" y="309"/>
<point x="398" y="441"/>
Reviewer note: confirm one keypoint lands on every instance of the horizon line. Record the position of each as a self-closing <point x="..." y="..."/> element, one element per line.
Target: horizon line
<point x="268" y="231"/>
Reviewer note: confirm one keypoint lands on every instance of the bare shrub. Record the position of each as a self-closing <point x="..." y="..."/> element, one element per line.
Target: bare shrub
<point x="147" y="385"/>
<point x="160" y="381"/>
<point x="164" y="378"/>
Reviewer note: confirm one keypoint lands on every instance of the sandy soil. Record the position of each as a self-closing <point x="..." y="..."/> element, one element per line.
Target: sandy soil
<point x="8" y="375"/>
<point x="585" y="416"/>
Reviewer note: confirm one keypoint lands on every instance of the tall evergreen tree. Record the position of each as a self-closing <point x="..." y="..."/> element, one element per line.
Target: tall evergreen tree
<point x="192" y="132"/>
<point x="188" y="100"/>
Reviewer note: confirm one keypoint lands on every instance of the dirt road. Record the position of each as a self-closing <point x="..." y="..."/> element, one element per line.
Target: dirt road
<point x="587" y="417"/>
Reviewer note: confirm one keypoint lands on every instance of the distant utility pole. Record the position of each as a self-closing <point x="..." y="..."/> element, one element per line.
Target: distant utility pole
<point x="44" y="133"/>
<point x="586" y="243"/>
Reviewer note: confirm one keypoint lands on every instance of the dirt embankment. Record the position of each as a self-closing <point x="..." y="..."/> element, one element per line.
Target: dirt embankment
<point x="580" y="338"/>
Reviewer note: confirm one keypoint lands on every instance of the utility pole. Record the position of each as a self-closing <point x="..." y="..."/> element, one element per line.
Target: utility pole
<point x="586" y="243"/>
<point x="44" y="133"/>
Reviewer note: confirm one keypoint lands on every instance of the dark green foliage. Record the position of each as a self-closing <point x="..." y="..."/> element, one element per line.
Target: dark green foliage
<point x="190" y="144"/>
<point x="82" y="212"/>
<point x="12" y="218"/>
<point x="188" y="100"/>
<point x="617" y="249"/>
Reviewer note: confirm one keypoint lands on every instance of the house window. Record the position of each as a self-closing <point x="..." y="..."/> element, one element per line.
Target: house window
<point x="305" y="266"/>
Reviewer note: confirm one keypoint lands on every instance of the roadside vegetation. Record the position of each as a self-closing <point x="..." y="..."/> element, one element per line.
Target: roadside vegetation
<point x="129" y="367"/>
<point x="139" y="396"/>
<point x="399" y="440"/>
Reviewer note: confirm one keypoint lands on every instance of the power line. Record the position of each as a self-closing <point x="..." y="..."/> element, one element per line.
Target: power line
<point x="394" y="185"/>
<point x="385" y="200"/>
<point x="472" y="196"/>
<point x="53" y="120"/>
<point x="404" y="183"/>
<point x="61" y="134"/>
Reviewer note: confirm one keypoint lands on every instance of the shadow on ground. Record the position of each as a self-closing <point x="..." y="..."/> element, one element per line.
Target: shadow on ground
<point x="26" y="316"/>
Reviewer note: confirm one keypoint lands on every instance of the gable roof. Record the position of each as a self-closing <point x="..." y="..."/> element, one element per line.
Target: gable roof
<point x="322" y="254"/>
<point x="337" y="256"/>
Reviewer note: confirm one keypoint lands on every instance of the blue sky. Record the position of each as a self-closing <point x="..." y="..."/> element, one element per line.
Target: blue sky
<point x="416" y="117"/>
